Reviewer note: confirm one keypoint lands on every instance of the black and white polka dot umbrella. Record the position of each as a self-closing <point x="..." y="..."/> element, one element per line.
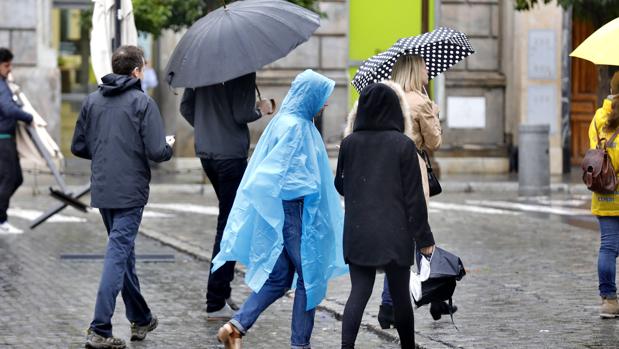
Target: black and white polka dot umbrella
<point x="441" y="49"/>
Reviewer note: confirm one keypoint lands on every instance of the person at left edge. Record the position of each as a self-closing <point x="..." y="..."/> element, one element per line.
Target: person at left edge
<point x="10" y="170"/>
<point x="120" y="129"/>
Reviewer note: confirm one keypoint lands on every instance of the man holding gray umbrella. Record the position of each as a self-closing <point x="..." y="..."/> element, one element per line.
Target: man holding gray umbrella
<point x="219" y="114"/>
<point x="216" y="61"/>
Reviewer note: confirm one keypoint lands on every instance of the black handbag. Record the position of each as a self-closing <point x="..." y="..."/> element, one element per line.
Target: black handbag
<point x="433" y="183"/>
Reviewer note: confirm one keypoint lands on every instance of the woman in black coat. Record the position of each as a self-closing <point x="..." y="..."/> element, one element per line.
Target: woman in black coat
<point x="386" y="212"/>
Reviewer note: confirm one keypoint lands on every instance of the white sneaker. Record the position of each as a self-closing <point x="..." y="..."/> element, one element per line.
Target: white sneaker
<point x="223" y="314"/>
<point x="6" y="228"/>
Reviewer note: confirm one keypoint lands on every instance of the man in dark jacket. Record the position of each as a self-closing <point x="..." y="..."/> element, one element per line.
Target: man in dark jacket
<point x="220" y="114"/>
<point x="120" y="129"/>
<point x="10" y="170"/>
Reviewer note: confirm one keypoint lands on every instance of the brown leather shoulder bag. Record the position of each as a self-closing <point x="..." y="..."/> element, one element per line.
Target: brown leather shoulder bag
<point x="598" y="171"/>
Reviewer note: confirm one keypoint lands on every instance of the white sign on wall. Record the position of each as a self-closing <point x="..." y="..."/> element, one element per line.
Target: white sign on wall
<point x="466" y="112"/>
<point x="542" y="55"/>
<point x="542" y="106"/>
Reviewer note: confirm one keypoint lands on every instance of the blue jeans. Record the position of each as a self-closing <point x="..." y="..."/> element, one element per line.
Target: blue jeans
<point x="280" y="280"/>
<point x="119" y="271"/>
<point x="386" y="295"/>
<point x="607" y="259"/>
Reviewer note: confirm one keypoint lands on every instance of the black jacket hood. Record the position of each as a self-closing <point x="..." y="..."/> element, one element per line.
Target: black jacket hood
<point x="115" y="84"/>
<point x="379" y="110"/>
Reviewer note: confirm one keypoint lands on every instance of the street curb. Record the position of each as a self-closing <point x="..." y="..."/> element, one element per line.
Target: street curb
<point x="507" y="187"/>
<point x="448" y="186"/>
<point x="326" y="306"/>
<point x="453" y="186"/>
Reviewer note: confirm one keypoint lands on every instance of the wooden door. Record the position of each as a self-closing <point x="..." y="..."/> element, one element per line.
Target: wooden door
<point x="584" y="94"/>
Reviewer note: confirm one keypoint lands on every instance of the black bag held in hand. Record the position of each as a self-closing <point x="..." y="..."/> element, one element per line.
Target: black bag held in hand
<point x="598" y="171"/>
<point x="445" y="269"/>
<point x="435" y="186"/>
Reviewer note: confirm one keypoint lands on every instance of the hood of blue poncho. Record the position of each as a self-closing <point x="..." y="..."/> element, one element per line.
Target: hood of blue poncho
<point x="307" y="95"/>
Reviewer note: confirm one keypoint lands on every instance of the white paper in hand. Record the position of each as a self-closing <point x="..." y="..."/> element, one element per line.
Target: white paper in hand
<point x="417" y="279"/>
<point x="170" y="140"/>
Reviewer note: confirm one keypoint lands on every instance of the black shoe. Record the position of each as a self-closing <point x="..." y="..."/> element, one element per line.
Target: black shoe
<point x="138" y="333"/>
<point x="441" y="308"/>
<point x="385" y="316"/>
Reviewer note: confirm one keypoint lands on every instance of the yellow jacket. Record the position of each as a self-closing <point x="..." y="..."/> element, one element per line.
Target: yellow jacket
<point x="605" y="204"/>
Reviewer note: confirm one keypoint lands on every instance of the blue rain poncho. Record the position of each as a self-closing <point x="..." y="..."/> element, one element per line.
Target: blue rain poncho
<point x="290" y="161"/>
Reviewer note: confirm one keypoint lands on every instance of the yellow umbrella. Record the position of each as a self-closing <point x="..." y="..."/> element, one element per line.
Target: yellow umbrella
<point x="601" y="47"/>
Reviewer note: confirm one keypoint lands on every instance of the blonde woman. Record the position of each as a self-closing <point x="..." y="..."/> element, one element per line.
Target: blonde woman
<point x="411" y="74"/>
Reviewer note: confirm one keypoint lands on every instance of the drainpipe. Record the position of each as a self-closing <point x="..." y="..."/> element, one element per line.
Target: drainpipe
<point x="566" y="93"/>
<point x="117" y="31"/>
<point x="439" y="81"/>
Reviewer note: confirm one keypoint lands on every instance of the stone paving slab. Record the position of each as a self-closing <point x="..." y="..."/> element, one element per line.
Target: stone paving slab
<point x="531" y="280"/>
<point x="47" y="302"/>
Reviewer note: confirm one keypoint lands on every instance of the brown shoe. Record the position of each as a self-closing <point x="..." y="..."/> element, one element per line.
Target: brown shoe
<point x="229" y="336"/>
<point x="609" y="309"/>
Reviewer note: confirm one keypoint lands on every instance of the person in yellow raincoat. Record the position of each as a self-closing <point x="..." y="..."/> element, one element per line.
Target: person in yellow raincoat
<point x="606" y="206"/>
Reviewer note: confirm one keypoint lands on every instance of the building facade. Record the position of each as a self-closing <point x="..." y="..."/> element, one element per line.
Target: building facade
<point x="25" y="30"/>
<point x="519" y="74"/>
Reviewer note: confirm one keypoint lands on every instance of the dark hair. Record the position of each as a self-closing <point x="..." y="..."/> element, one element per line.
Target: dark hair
<point x="126" y="58"/>
<point x="613" y="119"/>
<point x="614" y="83"/>
<point x="5" y="55"/>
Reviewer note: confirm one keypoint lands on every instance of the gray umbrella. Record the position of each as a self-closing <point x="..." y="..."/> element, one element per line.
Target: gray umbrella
<point x="238" y="39"/>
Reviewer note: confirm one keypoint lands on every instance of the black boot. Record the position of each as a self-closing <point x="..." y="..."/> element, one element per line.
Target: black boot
<point x="440" y="308"/>
<point x="385" y="316"/>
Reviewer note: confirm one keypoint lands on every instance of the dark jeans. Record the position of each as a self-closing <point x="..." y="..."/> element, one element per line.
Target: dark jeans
<point x="607" y="259"/>
<point x="280" y="281"/>
<point x="362" y="280"/>
<point x="10" y="174"/>
<point x="119" y="271"/>
<point x="225" y="176"/>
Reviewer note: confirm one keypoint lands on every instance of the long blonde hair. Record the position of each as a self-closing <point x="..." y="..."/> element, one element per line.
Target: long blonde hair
<point x="407" y="72"/>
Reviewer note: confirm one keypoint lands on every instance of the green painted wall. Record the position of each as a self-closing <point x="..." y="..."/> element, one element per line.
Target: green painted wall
<point x="376" y="25"/>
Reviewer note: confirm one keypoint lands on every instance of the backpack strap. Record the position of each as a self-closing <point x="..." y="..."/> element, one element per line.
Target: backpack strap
<point x="612" y="138"/>
<point x="597" y="133"/>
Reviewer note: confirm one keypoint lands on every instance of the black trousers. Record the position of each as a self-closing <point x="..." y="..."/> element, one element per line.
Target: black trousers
<point x="10" y="174"/>
<point x="362" y="279"/>
<point x="225" y="175"/>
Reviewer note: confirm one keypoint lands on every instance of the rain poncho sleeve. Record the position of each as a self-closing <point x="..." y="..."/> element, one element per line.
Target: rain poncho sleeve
<point x="290" y="161"/>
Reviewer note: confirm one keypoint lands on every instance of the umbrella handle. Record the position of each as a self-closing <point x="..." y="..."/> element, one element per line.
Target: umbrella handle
<point x="258" y="90"/>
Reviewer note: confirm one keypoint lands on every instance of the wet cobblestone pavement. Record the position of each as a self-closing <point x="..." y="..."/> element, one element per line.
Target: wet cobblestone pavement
<point x="531" y="279"/>
<point x="47" y="301"/>
<point x="531" y="283"/>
